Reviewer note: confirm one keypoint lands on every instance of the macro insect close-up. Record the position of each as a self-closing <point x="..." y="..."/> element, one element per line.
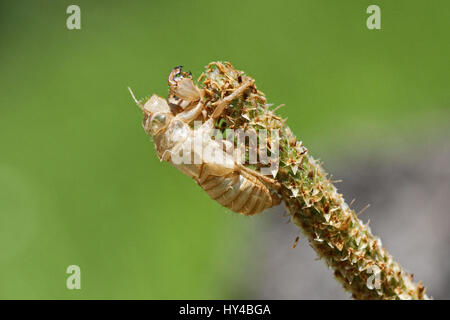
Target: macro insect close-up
<point x="315" y="206"/>
<point x="234" y="158"/>
<point x="230" y="183"/>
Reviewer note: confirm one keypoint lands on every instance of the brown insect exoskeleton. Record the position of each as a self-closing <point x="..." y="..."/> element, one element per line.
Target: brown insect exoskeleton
<point x="230" y="183"/>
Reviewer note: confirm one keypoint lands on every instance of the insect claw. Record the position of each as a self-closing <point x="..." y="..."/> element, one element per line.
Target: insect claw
<point x="175" y="72"/>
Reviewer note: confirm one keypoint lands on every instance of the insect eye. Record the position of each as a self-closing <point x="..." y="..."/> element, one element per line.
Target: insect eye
<point x="160" y="118"/>
<point x="158" y="122"/>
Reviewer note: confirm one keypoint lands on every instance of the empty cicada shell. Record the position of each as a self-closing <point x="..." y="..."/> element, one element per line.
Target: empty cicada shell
<point x="231" y="184"/>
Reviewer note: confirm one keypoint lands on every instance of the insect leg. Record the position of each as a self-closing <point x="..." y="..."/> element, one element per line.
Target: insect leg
<point x="186" y="90"/>
<point x="190" y="115"/>
<point x="226" y="101"/>
<point x="207" y="126"/>
<point x="210" y="169"/>
<point x="272" y="182"/>
<point x="175" y="72"/>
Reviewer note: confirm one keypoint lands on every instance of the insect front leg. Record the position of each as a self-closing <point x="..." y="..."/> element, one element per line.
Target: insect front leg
<point x="183" y="91"/>
<point x="190" y="115"/>
<point x="208" y="170"/>
<point x="272" y="182"/>
<point x="215" y="161"/>
<point x="222" y="104"/>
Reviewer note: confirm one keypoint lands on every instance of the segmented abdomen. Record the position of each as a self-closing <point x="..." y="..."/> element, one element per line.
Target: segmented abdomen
<point x="239" y="192"/>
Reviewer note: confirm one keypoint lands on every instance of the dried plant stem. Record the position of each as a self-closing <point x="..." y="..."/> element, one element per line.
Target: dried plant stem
<point x="359" y="261"/>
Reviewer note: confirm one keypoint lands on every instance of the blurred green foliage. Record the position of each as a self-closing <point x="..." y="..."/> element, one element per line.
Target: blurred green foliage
<point x="80" y="182"/>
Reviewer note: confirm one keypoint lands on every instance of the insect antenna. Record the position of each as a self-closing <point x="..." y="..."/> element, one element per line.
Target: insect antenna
<point x="136" y="100"/>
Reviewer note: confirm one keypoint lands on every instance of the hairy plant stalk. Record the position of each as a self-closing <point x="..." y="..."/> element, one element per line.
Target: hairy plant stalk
<point x="359" y="261"/>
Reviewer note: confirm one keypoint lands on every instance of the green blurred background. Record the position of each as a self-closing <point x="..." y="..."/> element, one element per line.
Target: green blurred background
<point x="80" y="182"/>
